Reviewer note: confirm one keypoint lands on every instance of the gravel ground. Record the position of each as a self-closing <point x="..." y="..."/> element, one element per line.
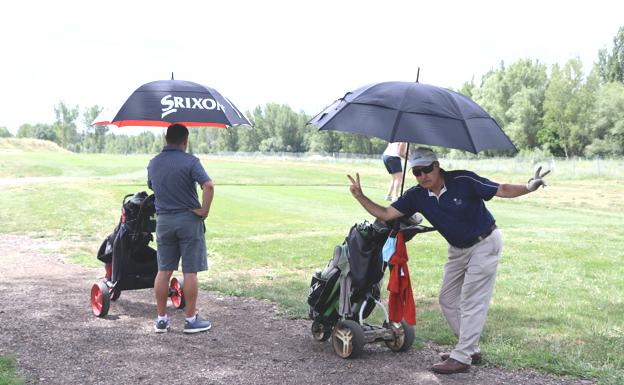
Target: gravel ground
<point x="47" y="324"/>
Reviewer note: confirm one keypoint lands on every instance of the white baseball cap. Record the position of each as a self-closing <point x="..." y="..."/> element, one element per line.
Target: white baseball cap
<point x="422" y="156"/>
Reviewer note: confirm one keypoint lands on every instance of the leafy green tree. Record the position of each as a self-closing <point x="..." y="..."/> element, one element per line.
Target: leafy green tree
<point x="249" y="138"/>
<point x="492" y="96"/>
<point x="276" y="128"/>
<point x="226" y="140"/>
<point x="568" y="105"/>
<point x="272" y="144"/>
<point x="356" y="144"/>
<point x="285" y="128"/>
<point x="5" y="133"/>
<point x="190" y="148"/>
<point x="326" y="141"/>
<point x="611" y="65"/>
<point x="65" y="124"/>
<point x="157" y="145"/>
<point x="38" y="131"/>
<point x="378" y="145"/>
<point x="468" y="88"/>
<point x="607" y="127"/>
<point x="25" y="131"/>
<point x="514" y="97"/>
<point x="94" y="136"/>
<point x="202" y="138"/>
<point x="143" y="142"/>
<point x="261" y="130"/>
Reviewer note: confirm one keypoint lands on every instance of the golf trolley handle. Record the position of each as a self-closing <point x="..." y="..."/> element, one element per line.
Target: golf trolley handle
<point x="412" y="229"/>
<point x="141" y="206"/>
<point x="124" y="198"/>
<point x="420" y="229"/>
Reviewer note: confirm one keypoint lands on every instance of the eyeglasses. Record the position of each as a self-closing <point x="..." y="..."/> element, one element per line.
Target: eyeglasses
<point x="420" y="171"/>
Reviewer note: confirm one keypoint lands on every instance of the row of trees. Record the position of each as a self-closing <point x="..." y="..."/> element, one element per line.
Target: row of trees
<point x="566" y="113"/>
<point x="559" y="110"/>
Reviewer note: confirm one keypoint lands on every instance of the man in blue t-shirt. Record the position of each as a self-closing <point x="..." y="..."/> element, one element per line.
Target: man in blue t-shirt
<point x="453" y="202"/>
<point x="173" y="175"/>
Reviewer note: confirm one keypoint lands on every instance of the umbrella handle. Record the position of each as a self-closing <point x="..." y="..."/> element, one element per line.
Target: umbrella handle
<point x="405" y="166"/>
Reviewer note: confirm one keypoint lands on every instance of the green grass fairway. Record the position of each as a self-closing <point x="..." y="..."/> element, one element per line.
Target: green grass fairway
<point x="558" y="305"/>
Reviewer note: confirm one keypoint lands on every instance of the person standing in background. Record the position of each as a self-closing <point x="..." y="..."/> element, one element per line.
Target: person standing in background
<point x="391" y="157"/>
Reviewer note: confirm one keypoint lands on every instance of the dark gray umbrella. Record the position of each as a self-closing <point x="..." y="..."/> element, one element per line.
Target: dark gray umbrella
<point x="417" y="113"/>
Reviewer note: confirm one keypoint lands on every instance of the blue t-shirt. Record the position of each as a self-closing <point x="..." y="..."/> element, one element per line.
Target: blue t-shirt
<point x="459" y="214"/>
<point x="172" y="175"/>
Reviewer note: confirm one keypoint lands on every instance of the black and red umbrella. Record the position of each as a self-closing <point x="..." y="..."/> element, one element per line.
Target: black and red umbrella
<point x="164" y="102"/>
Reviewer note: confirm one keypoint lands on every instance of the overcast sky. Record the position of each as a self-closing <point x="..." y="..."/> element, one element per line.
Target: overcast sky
<point x="302" y="53"/>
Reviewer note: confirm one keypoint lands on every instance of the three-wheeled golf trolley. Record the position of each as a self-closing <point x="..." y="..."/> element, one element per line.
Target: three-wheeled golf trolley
<point x="130" y="262"/>
<point x="345" y="293"/>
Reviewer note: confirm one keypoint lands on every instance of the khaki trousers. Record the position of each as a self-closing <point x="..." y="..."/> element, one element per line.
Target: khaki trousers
<point x="469" y="277"/>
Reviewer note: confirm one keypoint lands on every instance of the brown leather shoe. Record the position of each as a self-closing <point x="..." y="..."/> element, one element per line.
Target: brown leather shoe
<point x="476" y="357"/>
<point x="450" y="366"/>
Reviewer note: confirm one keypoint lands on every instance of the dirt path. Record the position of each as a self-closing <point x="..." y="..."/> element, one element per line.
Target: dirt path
<point x="46" y="323"/>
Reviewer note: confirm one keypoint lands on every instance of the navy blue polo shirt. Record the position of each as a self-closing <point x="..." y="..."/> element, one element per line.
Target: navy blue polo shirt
<point x="172" y="175"/>
<point x="459" y="213"/>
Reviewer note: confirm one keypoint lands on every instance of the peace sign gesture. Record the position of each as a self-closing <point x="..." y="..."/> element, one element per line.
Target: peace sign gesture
<point x="356" y="188"/>
<point x="537" y="180"/>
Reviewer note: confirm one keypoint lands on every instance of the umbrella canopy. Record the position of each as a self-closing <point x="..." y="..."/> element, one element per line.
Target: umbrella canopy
<point x="417" y="113"/>
<point x="164" y="102"/>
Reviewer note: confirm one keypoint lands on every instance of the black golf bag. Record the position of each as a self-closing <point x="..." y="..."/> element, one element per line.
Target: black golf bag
<point x="355" y="271"/>
<point x="130" y="262"/>
<point x="343" y="294"/>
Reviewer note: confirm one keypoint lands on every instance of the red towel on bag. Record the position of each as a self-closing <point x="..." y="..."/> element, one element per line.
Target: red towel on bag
<point x="401" y="299"/>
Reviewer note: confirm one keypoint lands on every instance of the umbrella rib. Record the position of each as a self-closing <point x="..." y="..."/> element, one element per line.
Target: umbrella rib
<point x="342" y="108"/>
<point x="395" y="126"/>
<point x="463" y="122"/>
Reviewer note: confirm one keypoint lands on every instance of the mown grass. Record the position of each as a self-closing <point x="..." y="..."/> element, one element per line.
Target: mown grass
<point x="558" y="304"/>
<point x="8" y="374"/>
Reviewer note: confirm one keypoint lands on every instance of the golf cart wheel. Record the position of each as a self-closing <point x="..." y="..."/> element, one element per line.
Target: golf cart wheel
<point x="100" y="299"/>
<point x="320" y="331"/>
<point x="348" y="339"/>
<point x="114" y="294"/>
<point x="403" y="336"/>
<point x="176" y="292"/>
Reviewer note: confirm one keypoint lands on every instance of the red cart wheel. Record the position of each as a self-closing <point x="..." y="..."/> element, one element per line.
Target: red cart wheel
<point x="176" y="292"/>
<point x="100" y="299"/>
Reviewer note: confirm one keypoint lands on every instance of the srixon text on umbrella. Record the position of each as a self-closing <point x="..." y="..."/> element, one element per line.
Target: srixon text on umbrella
<point x="172" y="103"/>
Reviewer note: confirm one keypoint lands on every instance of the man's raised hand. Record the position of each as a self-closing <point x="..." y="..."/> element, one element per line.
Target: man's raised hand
<point x="356" y="188"/>
<point x="537" y="180"/>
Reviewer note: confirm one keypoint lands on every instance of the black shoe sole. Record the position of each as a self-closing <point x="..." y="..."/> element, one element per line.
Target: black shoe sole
<point x="444" y="357"/>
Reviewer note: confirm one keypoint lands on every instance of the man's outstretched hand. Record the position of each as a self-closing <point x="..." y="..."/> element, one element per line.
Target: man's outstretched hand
<point x="356" y="188"/>
<point x="537" y="180"/>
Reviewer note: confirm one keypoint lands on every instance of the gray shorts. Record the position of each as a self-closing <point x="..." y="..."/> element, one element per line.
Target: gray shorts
<point x="181" y="234"/>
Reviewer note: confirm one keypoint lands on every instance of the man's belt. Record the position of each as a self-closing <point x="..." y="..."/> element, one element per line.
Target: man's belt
<point x="481" y="237"/>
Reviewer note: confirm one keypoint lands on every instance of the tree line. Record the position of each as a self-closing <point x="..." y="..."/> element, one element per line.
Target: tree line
<point x="558" y="110"/>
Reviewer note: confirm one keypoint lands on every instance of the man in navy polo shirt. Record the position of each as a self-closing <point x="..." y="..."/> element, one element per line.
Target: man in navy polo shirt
<point x="173" y="175"/>
<point x="453" y="202"/>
